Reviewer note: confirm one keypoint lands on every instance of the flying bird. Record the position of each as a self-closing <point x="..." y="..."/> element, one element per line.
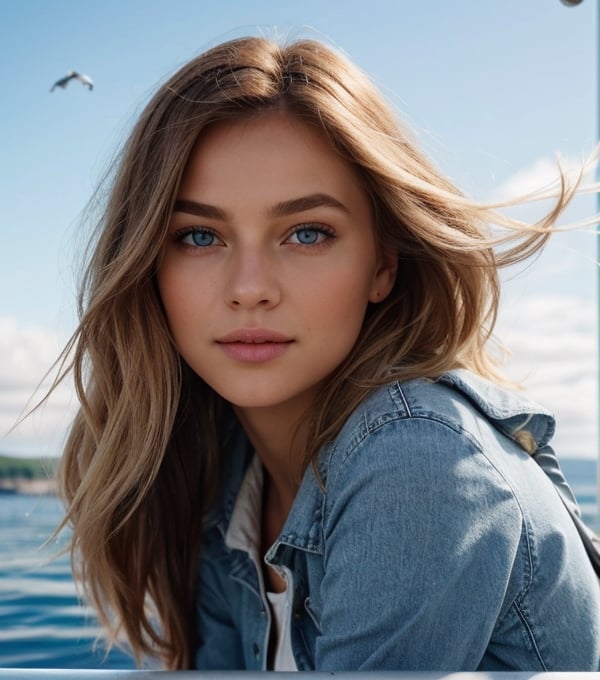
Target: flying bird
<point x="73" y="75"/>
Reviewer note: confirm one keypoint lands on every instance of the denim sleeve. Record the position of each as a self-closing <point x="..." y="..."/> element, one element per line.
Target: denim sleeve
<point x="421" y="533"/>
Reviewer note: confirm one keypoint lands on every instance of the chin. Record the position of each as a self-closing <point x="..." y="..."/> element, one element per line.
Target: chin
<point x="252" y="402"/>
<point x="253" y="398"/>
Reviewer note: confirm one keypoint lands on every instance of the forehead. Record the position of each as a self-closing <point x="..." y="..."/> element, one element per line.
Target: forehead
<point x="271" y="152"/>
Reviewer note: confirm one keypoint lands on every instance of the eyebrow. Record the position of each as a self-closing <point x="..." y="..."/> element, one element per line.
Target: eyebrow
<point x="282" y="209"/>
<point x="199" y="209"/>
<point x="296" y="205"/>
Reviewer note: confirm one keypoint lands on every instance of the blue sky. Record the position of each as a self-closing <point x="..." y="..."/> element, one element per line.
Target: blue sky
<point x="492" y="89"/>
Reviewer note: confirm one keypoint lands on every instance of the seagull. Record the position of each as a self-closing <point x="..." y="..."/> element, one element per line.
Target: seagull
<point x="73" y="75"/>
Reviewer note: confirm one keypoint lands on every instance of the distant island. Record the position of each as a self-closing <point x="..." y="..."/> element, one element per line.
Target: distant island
<point x="31" y="476"/>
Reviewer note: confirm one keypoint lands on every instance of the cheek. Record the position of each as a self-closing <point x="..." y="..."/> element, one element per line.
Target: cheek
<point x="167" y="291"/>
<point x="178" y="298"/>
<point x="350" y="281"/>
<point x="340" y="303"/>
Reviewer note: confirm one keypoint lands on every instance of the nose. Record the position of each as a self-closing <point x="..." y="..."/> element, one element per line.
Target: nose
<point x="252" y="282"/>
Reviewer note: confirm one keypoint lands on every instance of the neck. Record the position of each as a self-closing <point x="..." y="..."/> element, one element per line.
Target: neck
<point x="278" y="438"/>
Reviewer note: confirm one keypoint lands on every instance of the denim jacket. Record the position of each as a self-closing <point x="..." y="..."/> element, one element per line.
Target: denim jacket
<point x="437" y="543"/>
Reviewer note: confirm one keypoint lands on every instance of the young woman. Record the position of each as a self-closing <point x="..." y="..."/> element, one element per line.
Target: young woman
<point x="293" y="450"/>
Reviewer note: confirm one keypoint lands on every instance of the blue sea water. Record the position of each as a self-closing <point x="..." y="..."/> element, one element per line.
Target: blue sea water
<point x="582" y="475"/>
<point x="43" y="622"/>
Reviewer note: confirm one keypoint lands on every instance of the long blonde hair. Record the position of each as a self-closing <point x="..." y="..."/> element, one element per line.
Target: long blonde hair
<point x="140" y="464"/>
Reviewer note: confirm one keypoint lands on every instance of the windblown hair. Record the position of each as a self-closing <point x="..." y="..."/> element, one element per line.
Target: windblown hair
<point x="140" y="465"/>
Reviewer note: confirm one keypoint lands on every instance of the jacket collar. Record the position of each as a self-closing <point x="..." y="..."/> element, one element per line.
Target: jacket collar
<point x="508" y="411"/>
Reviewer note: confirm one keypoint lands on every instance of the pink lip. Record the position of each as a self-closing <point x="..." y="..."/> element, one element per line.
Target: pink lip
<point x="254" y="335"/>
<point x="254" y="345"/>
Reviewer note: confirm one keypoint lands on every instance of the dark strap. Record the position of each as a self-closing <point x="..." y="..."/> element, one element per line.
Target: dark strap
<point x="548" y="461"/>
<point x="590" y="538"/>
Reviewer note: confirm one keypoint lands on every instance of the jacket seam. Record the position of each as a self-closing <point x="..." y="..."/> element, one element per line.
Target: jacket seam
<point x="530" y="635"/>
<point x="350" y="451"/>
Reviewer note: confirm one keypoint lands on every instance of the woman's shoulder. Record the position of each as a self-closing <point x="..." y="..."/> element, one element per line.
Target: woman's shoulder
<point x="448" y="399"/>
<point x="459" y="405"/>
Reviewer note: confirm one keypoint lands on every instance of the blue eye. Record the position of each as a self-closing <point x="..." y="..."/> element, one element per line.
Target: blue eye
<point x="201" y="238"/>
<point x="309" y="236"/>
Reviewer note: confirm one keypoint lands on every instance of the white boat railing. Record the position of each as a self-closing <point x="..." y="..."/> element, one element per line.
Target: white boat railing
<point x="74" y="674"/>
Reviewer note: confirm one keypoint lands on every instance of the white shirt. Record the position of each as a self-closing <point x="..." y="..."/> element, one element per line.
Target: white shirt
<point x="244" y="534"/>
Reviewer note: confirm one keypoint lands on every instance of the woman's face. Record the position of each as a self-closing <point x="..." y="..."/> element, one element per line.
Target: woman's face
<point x="270" y="261"/>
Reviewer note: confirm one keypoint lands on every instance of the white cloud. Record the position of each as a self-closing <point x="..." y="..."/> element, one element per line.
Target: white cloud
<point x="541" y="175"/>
<point x="549" y="316"/>
<point x="553" y="340"/>
<point x="26" y="355"/>
<point x="572" y="251"/>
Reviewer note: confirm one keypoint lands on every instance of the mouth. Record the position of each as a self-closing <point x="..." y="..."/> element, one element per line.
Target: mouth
<point x="254" y="345"/>
<point x="253" y="336"/>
